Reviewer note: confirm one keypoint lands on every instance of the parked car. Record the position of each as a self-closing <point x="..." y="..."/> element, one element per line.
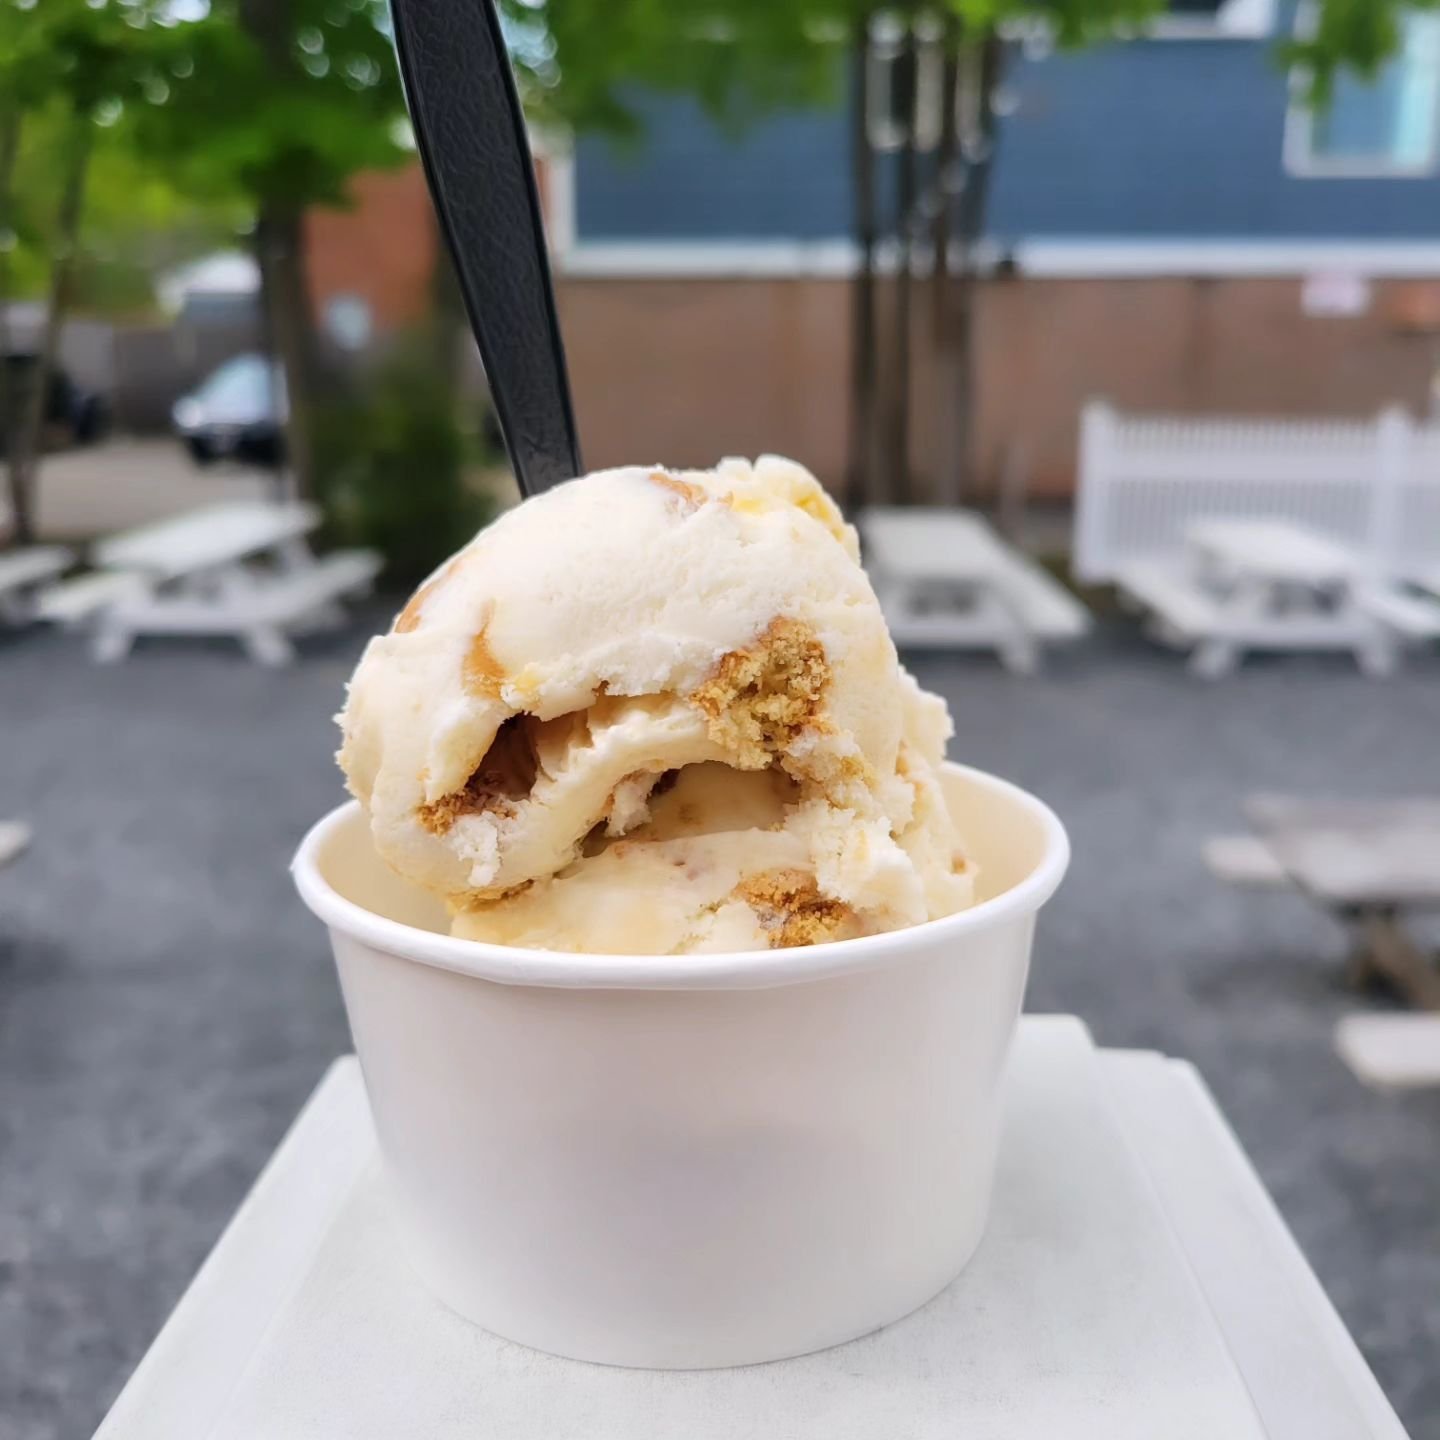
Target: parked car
<point x="237" y="411"/>
<point x="73" y="414"/>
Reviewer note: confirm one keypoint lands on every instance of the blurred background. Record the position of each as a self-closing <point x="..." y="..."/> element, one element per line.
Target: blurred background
<point x="1114" y="324"/>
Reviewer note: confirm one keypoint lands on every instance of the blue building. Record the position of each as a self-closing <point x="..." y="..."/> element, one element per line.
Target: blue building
<point x="1185" y="232"/>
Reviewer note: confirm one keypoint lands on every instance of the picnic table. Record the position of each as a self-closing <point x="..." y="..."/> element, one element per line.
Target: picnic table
<point x="210" y="539"/>
<point x="1273" y="584"/>
<point x="945" y="579"/>
<point x="242" y="568"/>
<point x="25" y="571"/>
<point x="1273" y="553"/>
<point x="1283" y="586"/>
<point x="1370" y="864"/>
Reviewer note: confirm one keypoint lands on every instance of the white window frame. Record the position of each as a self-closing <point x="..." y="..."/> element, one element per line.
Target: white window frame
<point x="1233" y="20"/>
<point x="887" y="41"/>
<point x="1298" y="146"/>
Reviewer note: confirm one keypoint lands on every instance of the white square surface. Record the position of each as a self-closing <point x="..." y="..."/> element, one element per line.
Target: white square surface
<point x="1134" y="1282"/>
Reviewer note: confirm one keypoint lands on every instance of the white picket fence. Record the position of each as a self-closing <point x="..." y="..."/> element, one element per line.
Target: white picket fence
<point x="1373" y="485"/>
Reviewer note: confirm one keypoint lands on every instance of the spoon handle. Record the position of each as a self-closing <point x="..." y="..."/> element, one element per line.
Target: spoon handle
<point x="472" y="140"/>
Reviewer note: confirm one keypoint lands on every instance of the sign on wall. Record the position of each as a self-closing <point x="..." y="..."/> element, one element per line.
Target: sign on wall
<point x="1335" y="293"/>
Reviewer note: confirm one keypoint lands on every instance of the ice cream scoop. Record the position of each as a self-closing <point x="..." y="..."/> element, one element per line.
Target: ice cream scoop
<point x="655" y="711"/>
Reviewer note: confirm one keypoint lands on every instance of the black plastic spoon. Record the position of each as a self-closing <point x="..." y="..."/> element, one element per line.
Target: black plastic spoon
<point x="471" y="134"/>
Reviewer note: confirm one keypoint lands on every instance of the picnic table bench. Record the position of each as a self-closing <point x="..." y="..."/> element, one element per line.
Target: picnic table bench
<point x="945" y="579"/>
<point x="74" y="601"/>
<point x="23" y="572"/>
<point x="14" y="837"/>
<point x="1391" y="1052"/>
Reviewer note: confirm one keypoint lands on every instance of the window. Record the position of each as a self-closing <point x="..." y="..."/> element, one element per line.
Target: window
<point x="1388" y="126"/>
<point x="1213" y="20"/>
<point x="1179" y="20"/>
<point x="904" y="83"/>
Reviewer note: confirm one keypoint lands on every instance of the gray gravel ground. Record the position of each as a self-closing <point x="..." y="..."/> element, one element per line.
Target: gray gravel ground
<point x="166" y="1004"/>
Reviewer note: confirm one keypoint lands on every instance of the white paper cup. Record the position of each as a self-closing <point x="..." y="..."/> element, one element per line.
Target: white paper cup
<point x="697" y="1160"/>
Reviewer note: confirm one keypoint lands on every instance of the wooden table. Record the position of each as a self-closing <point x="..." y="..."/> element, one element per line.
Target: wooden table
<point x="1135" y="1282"/>
<point x="1369" y="863"/>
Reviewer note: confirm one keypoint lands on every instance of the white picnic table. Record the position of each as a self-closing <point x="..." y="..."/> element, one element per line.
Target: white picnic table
<point x="243" y="568"/>
<point x="1273" y="553"/>
<point x="208" y="539"/>
<point x="1283" y="586"/>
<point x="944" y="578"/>
<point x="1135" y="1282"/>
<point x="1273" y="584"/>
<point x="960" y="546"/>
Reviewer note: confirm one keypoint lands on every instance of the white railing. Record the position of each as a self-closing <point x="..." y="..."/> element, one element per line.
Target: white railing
<point x="1374" y="485"/>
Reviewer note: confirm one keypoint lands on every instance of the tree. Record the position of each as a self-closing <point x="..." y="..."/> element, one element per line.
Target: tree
<point x="582" y="61"/>
<point x="280" y="103"/>
<point x="259" y="107"/>
<point x="1358" y="36"/>
<point x="862" y="299"/>
<point x="74" y="64"/>
<point x="978" y="38"/>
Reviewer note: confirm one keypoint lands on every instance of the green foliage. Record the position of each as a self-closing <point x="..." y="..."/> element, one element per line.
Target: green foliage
<point x="89" y="56"/>
<point x="195" y="122"/>
<point x="579" y="59"/>
<point x="395" y="470"/>
<point x="233" y="121"/>
<point x="576" y="58"/>
<point x="190" y="124"/>
<point x="139" y="219"/>
<point x="1357" y="35"/>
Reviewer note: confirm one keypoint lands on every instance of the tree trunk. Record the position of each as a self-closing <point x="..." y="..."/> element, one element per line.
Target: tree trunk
<point x="860" y="483"/>
<point x="28" y="440"/>
<point x="897" y="430"/>
<point x="290" y="324"/>
<point x="10" y="125"/>
<point x="284" y="276"/>
<point x="959" y="366"/>
<point x="958" y="333"/>
<point x="945" y="163"/>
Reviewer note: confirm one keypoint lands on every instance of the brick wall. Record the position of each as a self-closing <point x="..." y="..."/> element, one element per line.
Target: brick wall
<point x="687" y="370"/>
<point x="380" y="248"/>
<point x="684" y="371"/>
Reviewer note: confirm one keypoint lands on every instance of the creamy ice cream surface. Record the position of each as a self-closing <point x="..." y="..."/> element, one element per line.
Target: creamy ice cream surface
<point x="656" y="712"/>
